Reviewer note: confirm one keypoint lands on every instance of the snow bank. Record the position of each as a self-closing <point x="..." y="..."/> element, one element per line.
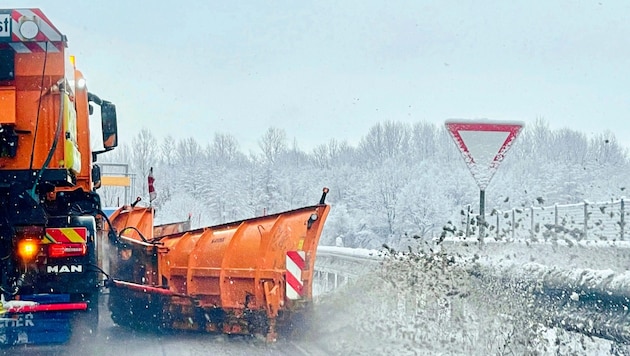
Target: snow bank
<point x="430" y="303"/>
<point x="434" y="302"/>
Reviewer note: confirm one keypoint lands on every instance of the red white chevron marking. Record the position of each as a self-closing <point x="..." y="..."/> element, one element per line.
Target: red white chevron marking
<point x="296" y="262"/>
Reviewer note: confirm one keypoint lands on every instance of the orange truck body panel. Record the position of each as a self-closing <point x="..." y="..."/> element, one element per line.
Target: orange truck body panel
<point x="239" y="267"/>
<point x="38" y="120"/>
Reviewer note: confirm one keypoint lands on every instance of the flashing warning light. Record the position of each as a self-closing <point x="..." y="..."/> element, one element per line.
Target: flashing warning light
<point x="66" y="250"/>
<point x="28" y="249"/>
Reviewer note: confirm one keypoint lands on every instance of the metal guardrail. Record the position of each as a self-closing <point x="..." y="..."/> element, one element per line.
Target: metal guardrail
<point x="336" y="266"/>
<point x="346" y="253"/>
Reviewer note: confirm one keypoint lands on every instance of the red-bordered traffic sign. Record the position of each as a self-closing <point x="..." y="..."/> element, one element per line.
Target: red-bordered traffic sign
<point x="483" y="144"/>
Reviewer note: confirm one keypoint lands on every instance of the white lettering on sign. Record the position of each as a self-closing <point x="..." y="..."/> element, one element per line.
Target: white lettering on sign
<point x="20" y="321"/>
<point x="5" y="25"/>
<point x="65" y="269"/>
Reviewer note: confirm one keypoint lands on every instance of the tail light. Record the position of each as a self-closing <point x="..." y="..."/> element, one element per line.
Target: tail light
<point x="53" y="242"/>
<point x="28" y="249"/>
<point x="66" y="250"/>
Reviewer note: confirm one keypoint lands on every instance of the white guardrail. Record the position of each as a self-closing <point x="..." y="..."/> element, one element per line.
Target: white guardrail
<point x="335" y="266"/>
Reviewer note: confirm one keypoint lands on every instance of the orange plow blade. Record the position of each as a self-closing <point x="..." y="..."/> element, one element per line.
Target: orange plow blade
<point x="242" y="277"/>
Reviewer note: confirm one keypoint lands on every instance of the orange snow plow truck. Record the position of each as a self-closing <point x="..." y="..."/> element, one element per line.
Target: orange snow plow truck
<point x="58" y="249"/>
<point x="49" y="234"/>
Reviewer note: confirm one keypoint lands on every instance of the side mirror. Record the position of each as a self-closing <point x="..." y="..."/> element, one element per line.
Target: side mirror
<point x="109" y="125"/>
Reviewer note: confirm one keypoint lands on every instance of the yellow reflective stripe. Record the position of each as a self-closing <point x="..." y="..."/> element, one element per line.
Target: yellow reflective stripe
<point x="65" y="235"/>
<point x="73" y="235"/>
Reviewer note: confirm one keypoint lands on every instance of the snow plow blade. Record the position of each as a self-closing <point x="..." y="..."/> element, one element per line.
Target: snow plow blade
<point x="243" y="277"/>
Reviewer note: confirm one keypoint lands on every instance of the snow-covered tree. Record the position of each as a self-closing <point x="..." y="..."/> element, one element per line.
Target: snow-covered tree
<point x="401" y="180"/>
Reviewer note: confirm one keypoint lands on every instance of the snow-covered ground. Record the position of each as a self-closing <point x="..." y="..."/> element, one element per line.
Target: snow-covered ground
<point x="427" y="302"/>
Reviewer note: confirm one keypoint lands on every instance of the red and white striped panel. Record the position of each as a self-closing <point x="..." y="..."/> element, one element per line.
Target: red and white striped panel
<point x="48" y="38"/>
<point x="31" y="47"/>
<point x="47" y="31"/>
<point x="296" y="263"/>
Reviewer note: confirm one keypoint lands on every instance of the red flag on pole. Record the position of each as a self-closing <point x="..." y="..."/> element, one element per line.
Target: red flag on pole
<point x="152" y="193"/>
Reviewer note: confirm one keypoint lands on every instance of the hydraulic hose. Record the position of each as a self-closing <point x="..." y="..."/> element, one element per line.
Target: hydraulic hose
<point x="53" y="146"/>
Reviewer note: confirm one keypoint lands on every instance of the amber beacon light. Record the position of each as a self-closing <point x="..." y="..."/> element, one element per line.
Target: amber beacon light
<point x="28" y="249"/>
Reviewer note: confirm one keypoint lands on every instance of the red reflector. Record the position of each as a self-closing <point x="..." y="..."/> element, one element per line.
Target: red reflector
<point x="66" y="250"/>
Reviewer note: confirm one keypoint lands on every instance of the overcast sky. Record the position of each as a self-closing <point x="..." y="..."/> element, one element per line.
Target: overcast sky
<point x="332" y="69"/>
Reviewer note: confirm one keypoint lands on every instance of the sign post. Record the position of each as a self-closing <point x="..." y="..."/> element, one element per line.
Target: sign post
<point x="483" y="144"/>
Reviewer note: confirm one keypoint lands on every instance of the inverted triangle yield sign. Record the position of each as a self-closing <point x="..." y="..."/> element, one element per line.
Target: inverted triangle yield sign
<point x="483" y="145"/>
